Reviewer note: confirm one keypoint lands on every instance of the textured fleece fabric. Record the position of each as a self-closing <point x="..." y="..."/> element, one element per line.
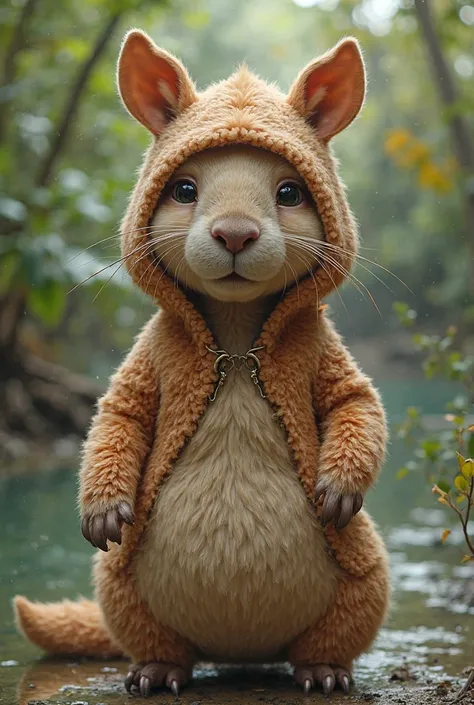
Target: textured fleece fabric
<point x="332" y="415"/>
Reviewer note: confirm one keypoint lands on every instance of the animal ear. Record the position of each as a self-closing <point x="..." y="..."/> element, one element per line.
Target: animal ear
<point x="330" y="91"/>
<point x="154" y="85"/>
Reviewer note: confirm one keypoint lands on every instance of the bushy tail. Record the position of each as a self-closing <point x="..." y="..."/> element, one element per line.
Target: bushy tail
<point x="65" y="627"/>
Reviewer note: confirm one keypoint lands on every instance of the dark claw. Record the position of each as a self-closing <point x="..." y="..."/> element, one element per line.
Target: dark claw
<point x="98" y="532"/>
<point x="318" y="492"/>
<point x="125" y="512"/>
<point x="174" y="687"/>
<point x="358" y="502"/>
<point x="145" y="686"/>
<point x="328" y="685"/>
<point x="85" y="529"/>
<point x="347" y="511"/>
<point x="112" y="527"/>
<point x="330" y="507"/>
<point x="345" y="683"/>
<point x="307" y="686"/>
<point x="128" y="682"/>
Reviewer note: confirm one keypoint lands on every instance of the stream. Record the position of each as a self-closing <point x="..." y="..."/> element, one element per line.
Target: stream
<point x="419" y="656"/>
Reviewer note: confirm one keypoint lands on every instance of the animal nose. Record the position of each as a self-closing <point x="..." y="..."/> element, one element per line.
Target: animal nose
<point x="235" y="232"/>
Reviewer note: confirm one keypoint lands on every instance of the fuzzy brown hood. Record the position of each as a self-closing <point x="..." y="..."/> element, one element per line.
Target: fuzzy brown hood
<point x="242" y="109"/>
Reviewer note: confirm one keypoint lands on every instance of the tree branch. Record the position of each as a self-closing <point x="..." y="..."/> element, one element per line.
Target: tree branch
<point x="463" y="144"/>
<point x="65" y="121"/>
<point x="17" y="44"/>
<point x="445" y="85"/>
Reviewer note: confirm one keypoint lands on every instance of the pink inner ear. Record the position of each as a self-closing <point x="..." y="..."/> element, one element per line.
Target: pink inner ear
<point x="149" y="84"/>
<point x="156" y="91"/>
<point x="341" y="85"/>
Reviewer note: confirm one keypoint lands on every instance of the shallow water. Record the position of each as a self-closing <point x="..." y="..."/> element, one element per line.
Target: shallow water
<point x="430" y="628"/>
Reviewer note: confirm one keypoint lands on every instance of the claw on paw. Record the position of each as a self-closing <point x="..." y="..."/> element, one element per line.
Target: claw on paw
<point x="144" y="677"/>
<point x="107" y="526"/>
<point x="339" y="508"/>
<point x="327" y="677"/>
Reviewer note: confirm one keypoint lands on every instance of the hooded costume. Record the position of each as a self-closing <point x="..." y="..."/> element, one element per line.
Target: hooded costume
<point x="331" y="414"/>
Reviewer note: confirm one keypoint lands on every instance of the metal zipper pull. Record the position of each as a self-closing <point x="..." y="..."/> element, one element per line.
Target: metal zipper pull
<point x="256" y="381"/>
<point x="253" y="365"/>
<point x="222" y="378"/>
<point x="224" y="363"/>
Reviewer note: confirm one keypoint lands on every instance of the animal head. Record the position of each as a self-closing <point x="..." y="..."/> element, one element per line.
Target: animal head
<point x="238" y="196"/>
<point x="236" y="223"/>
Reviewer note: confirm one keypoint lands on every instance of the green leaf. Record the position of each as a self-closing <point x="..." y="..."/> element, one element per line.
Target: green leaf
<point x="444" y="485"/>
<point x="431" y="448"/>
<point x="468" y="468"/>
<point x="403" y="472"/>
<point x="461" y="484"/>
<point x="406" y="315"/>
<point x="48" y="301"/>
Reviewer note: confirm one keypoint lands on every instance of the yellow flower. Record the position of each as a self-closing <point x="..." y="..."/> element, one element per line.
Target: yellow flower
<point x="430" y="176"/>
<point x="396" y="140"/>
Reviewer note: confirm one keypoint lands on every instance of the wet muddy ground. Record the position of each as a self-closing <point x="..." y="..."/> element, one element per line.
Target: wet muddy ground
<point x="428" y="640"/>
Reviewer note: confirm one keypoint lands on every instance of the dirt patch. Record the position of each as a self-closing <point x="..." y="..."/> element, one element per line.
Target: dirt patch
<point x="58" y="683"/>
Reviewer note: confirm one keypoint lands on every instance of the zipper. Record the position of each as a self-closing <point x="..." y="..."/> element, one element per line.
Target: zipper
<point x="225" y="363"/>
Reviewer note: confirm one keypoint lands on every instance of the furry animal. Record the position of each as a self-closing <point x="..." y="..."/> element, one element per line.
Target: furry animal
<point x="224" y="473"/>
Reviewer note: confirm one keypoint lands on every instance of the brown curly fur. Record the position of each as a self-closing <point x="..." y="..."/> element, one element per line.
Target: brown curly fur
<point x="330" y="411"/>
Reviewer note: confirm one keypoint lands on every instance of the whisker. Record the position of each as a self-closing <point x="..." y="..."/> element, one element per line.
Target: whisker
<point x="352" y="279"/>
<point x="356" y="255"/>
<point x="339" y="267"/>
<point x="370" y="272"/>
<point x="295" y="277"/>
<point x="115" y="272"/>
<point x="121" y="260"/>
<point x="309" y="269"/>
<point x="117" y="236"/>
<point x="155" y="263"/>
<point x="164" y="271"/>
<point x="94" y="244"/>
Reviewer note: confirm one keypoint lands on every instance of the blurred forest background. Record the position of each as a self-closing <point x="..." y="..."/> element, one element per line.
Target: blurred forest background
<point x="69" y="155"/>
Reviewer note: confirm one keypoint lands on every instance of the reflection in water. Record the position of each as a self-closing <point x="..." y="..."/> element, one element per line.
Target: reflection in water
<point x="45" y="558"/>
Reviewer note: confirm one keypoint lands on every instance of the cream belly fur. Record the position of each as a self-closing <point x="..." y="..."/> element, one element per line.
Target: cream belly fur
<point x="233" y="558"/>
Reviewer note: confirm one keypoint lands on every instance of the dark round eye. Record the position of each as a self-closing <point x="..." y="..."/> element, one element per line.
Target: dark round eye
<point x="289" y="195"/>
<point x="184" y="191"/>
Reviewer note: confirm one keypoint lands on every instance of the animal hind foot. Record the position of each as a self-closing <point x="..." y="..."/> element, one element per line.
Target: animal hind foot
<point x="327" y="676"/>
<point x="146" y="676"/>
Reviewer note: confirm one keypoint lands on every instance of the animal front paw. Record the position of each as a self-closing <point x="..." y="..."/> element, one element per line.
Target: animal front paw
<point x="338" y="507"/>
<point x="100" y="527"/>
<point x="146" y="676"/>
<point x="327" y="677"/>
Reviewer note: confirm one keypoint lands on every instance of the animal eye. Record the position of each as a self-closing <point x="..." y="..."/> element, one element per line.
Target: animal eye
<point x="289" y="195"/>
<point x="184" y="191"/>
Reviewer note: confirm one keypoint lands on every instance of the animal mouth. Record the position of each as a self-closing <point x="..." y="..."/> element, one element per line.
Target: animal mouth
<point x="234" y="277"/>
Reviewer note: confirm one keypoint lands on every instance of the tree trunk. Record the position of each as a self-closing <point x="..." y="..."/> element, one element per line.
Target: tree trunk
<point x="463" y="144"/>
<point x="39" y="400"/>
<point x="66" y="120"/>
<point x="17" y="44"/>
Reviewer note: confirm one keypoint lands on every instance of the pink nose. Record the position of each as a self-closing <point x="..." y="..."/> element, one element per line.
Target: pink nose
<point x="235" y="232"/>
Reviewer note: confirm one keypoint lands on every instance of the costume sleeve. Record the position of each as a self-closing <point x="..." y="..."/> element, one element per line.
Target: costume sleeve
<point x="122" y="431"/>
<point x="351" y="417"/>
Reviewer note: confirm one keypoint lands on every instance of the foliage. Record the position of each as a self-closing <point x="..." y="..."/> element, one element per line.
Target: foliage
<point x="412" y="226"/>
<point x="411" y="153"/>
<point x="447" y="456"/>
